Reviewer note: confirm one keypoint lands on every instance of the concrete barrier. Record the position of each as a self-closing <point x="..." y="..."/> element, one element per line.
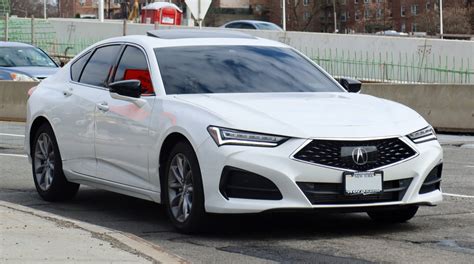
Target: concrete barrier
<point x="448" y="108"/>
<point x="13" y="96"/>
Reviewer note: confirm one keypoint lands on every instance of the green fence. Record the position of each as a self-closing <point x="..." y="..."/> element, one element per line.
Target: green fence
<point x="41" y="33"/>
<point x="397" y="68"/>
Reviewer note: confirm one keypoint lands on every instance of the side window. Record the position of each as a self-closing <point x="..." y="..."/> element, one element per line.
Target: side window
<point x="234" y="25"/>
<point x="78" y="65"/>
<point x="133" y="66"/>
<point x="247" y="26"/>
<point x="100" y="66"/>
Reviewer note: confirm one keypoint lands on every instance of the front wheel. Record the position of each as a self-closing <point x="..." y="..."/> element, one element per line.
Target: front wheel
<point x="48" y="176"/>
<point x="183" y="191"/>
<point x="398" y="215"/>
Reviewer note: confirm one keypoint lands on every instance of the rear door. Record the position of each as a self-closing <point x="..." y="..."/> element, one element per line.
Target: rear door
<point x="121" y="130"/>
<point x="79" y="116"/>
<point x="74" y="122"/>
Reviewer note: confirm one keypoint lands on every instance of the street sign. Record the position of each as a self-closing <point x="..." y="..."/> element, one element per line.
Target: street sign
<point x="198" y="8"/>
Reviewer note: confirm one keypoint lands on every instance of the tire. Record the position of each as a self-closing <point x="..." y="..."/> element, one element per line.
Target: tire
<point x="184" y="200"/>
<point x="399" y="215"/>
<point x="47" y="169"/>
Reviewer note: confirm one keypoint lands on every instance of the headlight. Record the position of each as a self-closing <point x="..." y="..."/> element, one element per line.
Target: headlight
<point x="423" y="135"/>
<point x="22" y="77"/>
<point x="225" y="136"/>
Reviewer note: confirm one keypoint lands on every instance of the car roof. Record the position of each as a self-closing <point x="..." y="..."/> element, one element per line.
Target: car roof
<point x="249" y="21"/>
<point x="232" y="37"/>
<point x="13" y="44"/>
<point x="192" y="33"/>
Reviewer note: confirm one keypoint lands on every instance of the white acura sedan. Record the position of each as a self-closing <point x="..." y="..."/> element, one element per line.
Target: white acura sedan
<point x="223" y="122"/>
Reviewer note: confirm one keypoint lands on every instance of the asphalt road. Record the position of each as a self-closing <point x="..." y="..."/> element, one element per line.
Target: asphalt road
<point x="439" y="234"/>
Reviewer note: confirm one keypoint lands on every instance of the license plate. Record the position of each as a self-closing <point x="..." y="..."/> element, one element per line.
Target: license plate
<point x="363" y="183"/>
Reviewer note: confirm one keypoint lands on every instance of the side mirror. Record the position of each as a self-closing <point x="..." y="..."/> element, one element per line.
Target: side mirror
<point x="128" y="88"/>
<point x="351" y="85"/>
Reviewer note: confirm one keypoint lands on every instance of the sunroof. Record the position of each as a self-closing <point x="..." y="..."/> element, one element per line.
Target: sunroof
<point x="196" y="33"/>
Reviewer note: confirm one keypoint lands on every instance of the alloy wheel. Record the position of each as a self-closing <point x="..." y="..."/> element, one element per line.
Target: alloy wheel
<point x="180" y="187"/>
<point x="44" y="161"/>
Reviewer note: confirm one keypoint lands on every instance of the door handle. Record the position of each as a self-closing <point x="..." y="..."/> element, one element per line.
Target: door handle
<point x="103" y="106"/>
<point x="67" y="92"/>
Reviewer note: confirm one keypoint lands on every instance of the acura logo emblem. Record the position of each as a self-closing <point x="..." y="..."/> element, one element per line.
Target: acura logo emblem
<point x="360" y="156"/>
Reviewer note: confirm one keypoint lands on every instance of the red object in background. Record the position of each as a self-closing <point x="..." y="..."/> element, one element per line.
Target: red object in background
<point x="143" y="76"/>
<point x="163" y="13"/>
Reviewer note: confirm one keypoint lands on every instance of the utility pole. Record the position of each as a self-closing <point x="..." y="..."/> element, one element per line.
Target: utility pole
<point x="335" y="16"/>
<point x="101" y="10"/>
<point x="441" y="29"/>
<point x="284" y="14"/>
<point x="44" y="9"/>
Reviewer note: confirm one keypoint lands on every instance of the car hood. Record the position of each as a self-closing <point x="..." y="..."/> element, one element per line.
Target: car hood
<point x="33" y="71"/>
<point x="310" y="115"/>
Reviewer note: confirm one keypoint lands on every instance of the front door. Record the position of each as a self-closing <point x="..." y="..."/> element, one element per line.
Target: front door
<point x="121" y="137"/>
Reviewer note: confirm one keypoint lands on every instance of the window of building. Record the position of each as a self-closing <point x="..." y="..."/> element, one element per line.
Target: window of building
<point x="343" y="16"/>
<point x="367" y="13"/>
<point x="305" y="2"/>
<point x="357" y="15"/>
<point x="379" y="12"/>
<point x="403" y="27"/>
<point x="306" y="15"/>
<point x="402" y="11"/>
<point x="414" y="9"/>
<point x="414" y="27"/>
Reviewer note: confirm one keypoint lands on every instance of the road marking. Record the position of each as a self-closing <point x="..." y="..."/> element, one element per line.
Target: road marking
<point x="13" y="155"/>
<point x="11" y="135"/>
<point x="458" y="195"/>
<point x="469" y="166"/>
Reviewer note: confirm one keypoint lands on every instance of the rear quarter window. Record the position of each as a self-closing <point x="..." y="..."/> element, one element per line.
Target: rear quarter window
<point x="78" y="65"/>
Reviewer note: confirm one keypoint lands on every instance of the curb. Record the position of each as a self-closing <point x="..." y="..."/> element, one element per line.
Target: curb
<point x="122" y="240"/>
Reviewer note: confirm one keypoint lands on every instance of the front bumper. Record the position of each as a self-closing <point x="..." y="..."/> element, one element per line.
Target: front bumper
<point x="276" y="165"/>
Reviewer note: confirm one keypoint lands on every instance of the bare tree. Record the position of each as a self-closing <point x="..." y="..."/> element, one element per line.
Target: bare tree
<point x="373" y="17"/>
<point x="457" y="21"/>
<point x="27" y="8"/>
<point x="301" y="21"/>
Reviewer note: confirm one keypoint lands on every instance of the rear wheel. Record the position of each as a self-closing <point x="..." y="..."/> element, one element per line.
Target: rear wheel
<point x="183" y="192"/>
<point x="50" y="182"/>
<point x="398" y="215"/>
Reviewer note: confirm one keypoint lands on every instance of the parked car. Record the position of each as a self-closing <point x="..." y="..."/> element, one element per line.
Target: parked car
<point x="392" y="33"/>
<point x="252" y="24"/>
<point x="24" y="62"/>
<point x="224" y="122"/>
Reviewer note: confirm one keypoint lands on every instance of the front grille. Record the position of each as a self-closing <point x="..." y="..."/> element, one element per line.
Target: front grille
<point x="333" y="193"/>
<point x="383" y="152"/>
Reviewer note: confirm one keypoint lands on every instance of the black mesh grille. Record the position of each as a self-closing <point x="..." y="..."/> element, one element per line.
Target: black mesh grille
<point x="329" y="153"/>
<point x="333" y="193"/>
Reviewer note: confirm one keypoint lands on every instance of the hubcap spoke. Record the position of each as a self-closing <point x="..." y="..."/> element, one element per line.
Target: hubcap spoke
<point x="180" y="187"/>
<point x="44" y="161"/>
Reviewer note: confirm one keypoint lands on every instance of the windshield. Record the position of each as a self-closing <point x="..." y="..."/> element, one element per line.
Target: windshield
<point x="24" y="56"/>
<point x="268" y="26"/>
<point x="239" y="69"/>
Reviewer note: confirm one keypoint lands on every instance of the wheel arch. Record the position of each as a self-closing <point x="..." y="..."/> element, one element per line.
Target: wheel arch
<point x="37" y="123"/>
<point x="170" y="141"/>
